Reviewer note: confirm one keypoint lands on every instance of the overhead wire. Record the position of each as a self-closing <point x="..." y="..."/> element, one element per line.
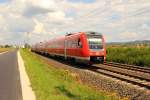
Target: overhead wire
<point x="88" y="16"/>
<point x="124" y="17"/>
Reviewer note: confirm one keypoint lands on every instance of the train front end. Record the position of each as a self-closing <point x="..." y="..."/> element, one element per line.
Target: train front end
<point x="97" y="49"/>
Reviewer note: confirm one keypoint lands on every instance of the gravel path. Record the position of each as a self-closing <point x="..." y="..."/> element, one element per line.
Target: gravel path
<point x="103" y="82"/>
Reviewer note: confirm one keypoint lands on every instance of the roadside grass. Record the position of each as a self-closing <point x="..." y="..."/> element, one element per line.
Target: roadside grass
<point x="4" y="49"/>
<point x="50" y="83"/>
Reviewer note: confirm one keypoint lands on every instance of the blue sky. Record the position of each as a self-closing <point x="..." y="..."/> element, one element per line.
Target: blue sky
<point x="118" y="20"/>
<point x="1" y="1"/>
<point x="4" y="1"/>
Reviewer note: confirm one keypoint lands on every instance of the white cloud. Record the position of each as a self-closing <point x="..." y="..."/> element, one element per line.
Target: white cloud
<point x="39" y="27"/>
<point x="132" y="36"/>
<point x="43" y="3"/>
<point x="129" y="35"/>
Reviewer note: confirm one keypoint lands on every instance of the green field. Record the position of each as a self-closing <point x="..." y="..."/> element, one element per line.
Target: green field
<point x="134" y="55"/>
<point x="50" y="83"/>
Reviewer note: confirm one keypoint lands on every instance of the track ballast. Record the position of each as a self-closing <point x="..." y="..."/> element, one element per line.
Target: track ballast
<point x="134" y="75"/>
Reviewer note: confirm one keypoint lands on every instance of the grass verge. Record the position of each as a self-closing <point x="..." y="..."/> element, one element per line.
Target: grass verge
<point x="50" y="83"/>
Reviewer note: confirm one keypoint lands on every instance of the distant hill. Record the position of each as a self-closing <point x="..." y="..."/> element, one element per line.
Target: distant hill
<point x="146" y="42"/>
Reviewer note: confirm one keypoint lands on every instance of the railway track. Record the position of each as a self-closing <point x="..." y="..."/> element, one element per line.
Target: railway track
<point x="131" y="67"/>
<point x="123" y="73"/>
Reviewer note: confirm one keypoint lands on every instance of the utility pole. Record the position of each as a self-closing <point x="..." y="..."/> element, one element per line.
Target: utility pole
<point x="27" y="38"/>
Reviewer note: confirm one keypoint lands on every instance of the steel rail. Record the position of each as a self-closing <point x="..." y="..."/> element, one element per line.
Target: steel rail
<point x="122" y="72"/>
<point x="124" y="77"/>
<point x="130" y="67"/>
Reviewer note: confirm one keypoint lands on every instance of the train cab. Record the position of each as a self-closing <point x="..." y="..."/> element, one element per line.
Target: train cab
<point x="96" y="46"/>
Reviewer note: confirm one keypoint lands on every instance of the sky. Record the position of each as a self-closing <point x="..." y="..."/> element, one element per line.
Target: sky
<point x="41" y="20"/>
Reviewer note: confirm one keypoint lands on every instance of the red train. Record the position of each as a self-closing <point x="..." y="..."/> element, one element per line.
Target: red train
<point x="85" y="47"/>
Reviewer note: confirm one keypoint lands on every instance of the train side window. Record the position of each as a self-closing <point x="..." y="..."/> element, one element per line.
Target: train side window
<point x="79" y="43"/>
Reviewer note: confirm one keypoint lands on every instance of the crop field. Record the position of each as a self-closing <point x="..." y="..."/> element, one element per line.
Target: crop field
<point x="4" y="49"/>
<point x="134" y="55"/>
<point x="57" y="84"/>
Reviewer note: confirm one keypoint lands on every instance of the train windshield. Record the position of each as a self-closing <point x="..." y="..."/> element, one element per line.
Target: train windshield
<point x="95" y="43"/>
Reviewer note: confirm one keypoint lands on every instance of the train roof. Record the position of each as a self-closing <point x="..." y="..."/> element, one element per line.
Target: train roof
<point x="93" y="33"/>
<point x="87" y="33"/>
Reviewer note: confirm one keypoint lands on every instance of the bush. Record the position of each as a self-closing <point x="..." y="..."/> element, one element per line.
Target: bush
<point x="129" y="55"/>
